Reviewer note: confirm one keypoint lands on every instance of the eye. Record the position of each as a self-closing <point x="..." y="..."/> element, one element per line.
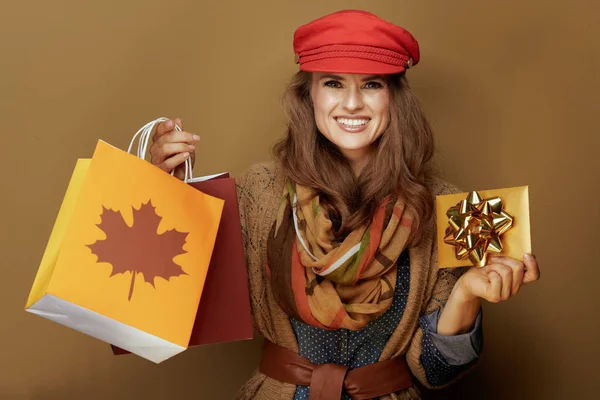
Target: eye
<point x="373" y="85"/>
<point x="333" y="84"/>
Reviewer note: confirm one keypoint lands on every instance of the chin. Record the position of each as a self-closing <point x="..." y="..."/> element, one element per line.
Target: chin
<point x="354" y="143"/>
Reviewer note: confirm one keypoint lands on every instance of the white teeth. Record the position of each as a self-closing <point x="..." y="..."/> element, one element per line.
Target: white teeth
<point x="352" y="122"/>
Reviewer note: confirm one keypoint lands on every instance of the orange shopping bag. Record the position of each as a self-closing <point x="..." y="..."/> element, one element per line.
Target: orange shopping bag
<point x="129" y="253"/>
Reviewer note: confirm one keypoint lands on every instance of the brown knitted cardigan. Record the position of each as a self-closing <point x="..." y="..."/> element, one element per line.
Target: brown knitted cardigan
<point x="259" y="191"/>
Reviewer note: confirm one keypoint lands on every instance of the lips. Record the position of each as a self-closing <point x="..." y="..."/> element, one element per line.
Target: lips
<point x="354" y="124"/>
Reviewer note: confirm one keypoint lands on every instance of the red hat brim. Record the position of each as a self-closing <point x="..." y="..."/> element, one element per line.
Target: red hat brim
<point x="351" y="66"/>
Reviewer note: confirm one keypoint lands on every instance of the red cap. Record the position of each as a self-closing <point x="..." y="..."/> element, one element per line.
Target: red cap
<point x="354" y="42"/>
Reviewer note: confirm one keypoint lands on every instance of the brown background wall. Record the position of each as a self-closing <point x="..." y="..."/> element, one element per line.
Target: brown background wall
<point x="518" y="75"/>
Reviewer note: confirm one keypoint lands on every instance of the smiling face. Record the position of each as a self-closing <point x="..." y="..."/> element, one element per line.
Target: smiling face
<point x="351" y="111"/>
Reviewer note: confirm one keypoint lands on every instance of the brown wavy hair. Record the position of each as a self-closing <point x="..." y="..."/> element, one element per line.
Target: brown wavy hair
<point x="397" y="167"/>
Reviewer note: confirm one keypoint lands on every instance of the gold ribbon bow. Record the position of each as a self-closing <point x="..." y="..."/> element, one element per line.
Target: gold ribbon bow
<point x="475" y="226"/>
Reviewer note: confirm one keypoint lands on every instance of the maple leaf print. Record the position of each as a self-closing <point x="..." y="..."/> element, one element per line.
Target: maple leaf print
<point x="139" y="248"/>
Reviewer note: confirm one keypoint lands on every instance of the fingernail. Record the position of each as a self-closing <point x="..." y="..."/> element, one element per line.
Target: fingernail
<point x="192" y="147"/>
<point x="186" y="155"/>
<point x="529" y="256"/>
<point x="196" y="137"/>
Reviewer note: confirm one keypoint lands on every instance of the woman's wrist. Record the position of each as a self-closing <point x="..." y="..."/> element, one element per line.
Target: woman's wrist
<point x="462" y="295"/>
<point x="460" y="312"/>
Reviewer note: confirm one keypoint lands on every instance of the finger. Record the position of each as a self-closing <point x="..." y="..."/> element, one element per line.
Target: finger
<point x="179" y="123"/>
<point x="506" y="273"/>
<point x="170" y="163"/>
<point x="518" y="270"/>
<point x="494" y="294"/>
<point x="162" y="128"/>
<point x="504" y="260"/>
<point x="166" y="150"/>
<point x="517" y="278"/>
<point x="532" y="269"/>
<point x="179" y="136"/>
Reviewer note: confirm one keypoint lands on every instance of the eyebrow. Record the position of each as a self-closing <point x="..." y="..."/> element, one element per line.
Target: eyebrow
<point x="335" y="77"/>
<point x="373" y="78"/>
<point x="366" y="78"/>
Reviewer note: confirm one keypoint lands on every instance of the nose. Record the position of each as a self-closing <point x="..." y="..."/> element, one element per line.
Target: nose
<point x="353" y="100"/>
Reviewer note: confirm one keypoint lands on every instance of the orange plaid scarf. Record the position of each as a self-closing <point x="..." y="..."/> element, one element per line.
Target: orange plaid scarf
<point x="328" y="284"/>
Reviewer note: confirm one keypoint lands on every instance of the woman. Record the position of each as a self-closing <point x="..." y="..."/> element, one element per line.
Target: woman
<point x="339" y="234"/>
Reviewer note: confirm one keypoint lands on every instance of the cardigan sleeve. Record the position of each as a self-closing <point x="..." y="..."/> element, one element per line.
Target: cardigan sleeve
<point x="250" y="208"/>
<point x="452" y="350"/>
<point x="259" y="189"/>
<point x="433" y="358"/>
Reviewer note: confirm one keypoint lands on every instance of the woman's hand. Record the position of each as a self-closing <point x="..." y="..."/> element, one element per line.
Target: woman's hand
<point x="170" y="148"/>
<point x="499" y="280"/>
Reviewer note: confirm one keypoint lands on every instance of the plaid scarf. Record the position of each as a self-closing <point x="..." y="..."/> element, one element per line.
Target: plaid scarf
<point x="332" y="284"/>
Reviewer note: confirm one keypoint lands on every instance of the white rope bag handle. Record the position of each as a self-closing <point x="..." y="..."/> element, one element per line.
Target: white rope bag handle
<point x="145" y="133"/>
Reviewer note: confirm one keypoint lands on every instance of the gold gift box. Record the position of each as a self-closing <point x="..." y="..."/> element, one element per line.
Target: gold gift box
<point x="515" y="242"/>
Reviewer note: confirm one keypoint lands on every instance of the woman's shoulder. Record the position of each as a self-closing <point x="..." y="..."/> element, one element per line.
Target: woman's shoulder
<point x="260" y="175"/>
<point x="439" y="186"/>
<point x="259" y="189"/>
<point x="260" y="170"/>
<point x="262" y="181"/>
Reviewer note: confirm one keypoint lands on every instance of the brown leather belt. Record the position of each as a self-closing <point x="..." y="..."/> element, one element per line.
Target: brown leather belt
<point x="327" y="381"/>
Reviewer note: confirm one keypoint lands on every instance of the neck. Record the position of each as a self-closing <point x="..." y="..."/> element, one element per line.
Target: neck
<point x="358" y="159"/>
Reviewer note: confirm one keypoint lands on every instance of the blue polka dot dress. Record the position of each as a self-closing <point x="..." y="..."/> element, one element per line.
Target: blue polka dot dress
<point x="359" y="348"/>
